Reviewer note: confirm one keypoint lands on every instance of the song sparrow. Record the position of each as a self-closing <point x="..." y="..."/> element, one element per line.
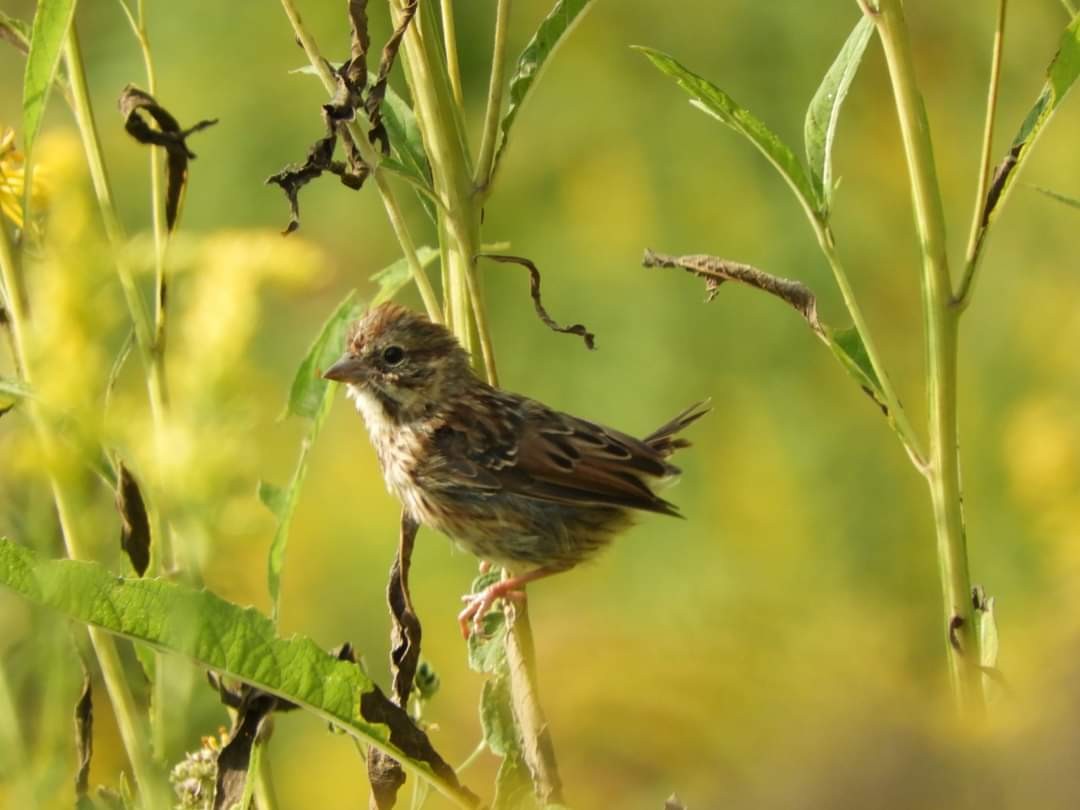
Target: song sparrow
<point x="511" y="480"/>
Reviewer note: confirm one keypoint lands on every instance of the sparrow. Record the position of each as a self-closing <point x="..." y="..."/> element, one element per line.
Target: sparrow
<point x="514" y="482"/>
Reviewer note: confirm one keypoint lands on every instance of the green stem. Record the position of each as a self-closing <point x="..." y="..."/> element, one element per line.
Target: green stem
<point x="367" y="152"/>
<point x="149" y="336"/>
<point x="943" y="473"/>
<point x="978" y="226"/>
<point x="486" y="161"/>
<point x="897" y="414"/>
<point x="13" y="748"/>
<point x="450" y="46"/>
<point x="133" y="732"/>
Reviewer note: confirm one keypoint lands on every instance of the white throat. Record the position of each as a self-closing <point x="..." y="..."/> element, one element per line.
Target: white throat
<point x="371" y="409"/>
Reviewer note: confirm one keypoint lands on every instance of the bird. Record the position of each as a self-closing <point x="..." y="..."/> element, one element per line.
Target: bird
<point x="511" y="480"/>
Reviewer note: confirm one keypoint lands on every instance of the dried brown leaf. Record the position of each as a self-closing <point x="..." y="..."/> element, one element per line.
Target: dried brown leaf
<point x="715" y="271"/>
<point x="385" y="773"/>
<point x="352" y="94"/>
<point x="534" y="290"/>
<point x="84" y="736"/>
<point x="234" y="758"/>
<point x="168" y="135"/>
<point x="134" y="523"/>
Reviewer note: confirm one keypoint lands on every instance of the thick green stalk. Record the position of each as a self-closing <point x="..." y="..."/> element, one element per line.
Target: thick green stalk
<point x="460" y="221"/>
<point x="132" y="726"/>
<point x="943" y="472"/>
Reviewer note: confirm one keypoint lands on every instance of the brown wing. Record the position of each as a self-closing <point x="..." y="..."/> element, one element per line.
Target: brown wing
<point x="517" y="446"/>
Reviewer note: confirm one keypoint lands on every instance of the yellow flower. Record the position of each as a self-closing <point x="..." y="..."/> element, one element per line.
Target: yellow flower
<point x="13" y="181"/>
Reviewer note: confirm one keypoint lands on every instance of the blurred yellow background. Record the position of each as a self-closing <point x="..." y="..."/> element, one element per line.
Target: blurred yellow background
<point x="783" y="646"/>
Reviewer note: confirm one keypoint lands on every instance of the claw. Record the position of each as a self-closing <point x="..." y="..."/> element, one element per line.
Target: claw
<point x="477" y="605"/>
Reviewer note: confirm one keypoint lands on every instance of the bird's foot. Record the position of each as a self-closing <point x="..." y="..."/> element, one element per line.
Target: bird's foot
<point x="477" y="605"/>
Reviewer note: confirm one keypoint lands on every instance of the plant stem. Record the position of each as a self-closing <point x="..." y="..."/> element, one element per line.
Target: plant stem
<point x="943" y="473"/>
<point x="149" y="336"/>
<point x="897" y="414"/>
<point x="157" y="207"/>
<point x="13" y="747"/>
<point x="978" y="225"/>
<point x="367" y="152"/>
<point x="450" y="46"/>
<point x="486" y="161"/>
<point x="131" y="724"/>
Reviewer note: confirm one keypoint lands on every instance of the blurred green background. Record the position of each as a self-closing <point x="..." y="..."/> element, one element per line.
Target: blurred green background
<point x="781" y="647"/>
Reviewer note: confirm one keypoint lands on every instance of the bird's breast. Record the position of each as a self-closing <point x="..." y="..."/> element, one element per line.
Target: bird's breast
<point x="398" y="447"/>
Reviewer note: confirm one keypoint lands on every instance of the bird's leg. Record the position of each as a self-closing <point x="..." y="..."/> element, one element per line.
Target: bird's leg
<point x="478" y="604"/>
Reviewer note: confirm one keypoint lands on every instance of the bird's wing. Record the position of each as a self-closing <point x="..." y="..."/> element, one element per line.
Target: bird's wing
<point x="517" y="446"/>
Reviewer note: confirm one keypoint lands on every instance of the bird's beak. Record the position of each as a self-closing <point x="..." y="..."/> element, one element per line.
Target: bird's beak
<point x="347" y="369"/>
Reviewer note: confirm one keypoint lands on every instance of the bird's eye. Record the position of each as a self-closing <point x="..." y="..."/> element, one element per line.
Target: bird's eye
<point x="392" y="355"/>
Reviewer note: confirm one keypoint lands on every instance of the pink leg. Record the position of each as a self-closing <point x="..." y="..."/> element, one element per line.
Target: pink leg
<point x="478" y="604"/>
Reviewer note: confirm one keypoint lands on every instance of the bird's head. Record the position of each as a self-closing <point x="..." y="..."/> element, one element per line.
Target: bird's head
<point x="401" y="361"/>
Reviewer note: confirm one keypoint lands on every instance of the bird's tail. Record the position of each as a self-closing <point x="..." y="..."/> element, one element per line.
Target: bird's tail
<point x="664" y="440"/>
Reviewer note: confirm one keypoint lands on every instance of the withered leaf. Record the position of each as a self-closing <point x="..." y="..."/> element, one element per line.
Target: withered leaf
<point x="352" y="93"/>
<point x="384" y="772"/>
<point x="534" y="291"/>
<point x="673" y="803"/>
<point x="84" y="736"/>
<point x="253" y="706"/>
<point x="715" y="271"/>
<point x="846" y="344"/>
<point x="234" y="758"/>
<point x="168" y="135"/>
<point x="134" y="523"/>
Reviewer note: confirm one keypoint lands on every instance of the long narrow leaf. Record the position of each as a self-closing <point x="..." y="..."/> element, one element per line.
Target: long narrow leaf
<point x="710" y="99"/>
<point x="405" y="139"/>
<point x="824" y="112"/>
<point x="1060" y="77"/>
<point x="51" y="23"/>
<point x="552" y="32"/>
<point x="311" y="397"/>
<point x="233" y="641"/>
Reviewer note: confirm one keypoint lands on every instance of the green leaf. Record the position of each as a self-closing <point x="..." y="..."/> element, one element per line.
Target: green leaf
<point x="848" y="347"/>
<point x="233" y="641"/>
<point x="710" y="99"/>
<point x="1061" y="75"/>
<point x="406" y="141"/>
<point x="394" y="277"/>
<point x="308" y="391"/>
<point x="52" y="20"/>
<point x="310" y="396"/>
<point x="824" y="112"/>
<point x="551" y="33"/>
<point x="513" y="784"/>
<point x="273" y="498"/>
<point x="1072" y="202"/>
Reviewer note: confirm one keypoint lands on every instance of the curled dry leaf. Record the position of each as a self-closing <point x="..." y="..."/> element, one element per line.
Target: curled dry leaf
<point x="384" y="772"/>
<point x="716" y="271"/>
<point x="84" y="736"/>
<point x="534" y="290"/>
<point x="134" y="524"/>
<point x="169" y="135"/>
<point x="234" y="758"/>
<point x="846" y="344"/>
<point x="352" y="94"/>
